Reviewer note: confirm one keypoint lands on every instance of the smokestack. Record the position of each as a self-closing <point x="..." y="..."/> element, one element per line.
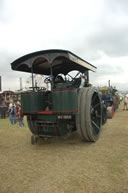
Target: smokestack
<point x="0" y="84"/>
<point x="20" y="83"/>
<point x="109" y="84"/>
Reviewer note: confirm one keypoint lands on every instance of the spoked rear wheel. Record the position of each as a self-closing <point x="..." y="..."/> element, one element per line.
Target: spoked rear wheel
<point x="89" y="117"/>
<point x="31" y="124"/>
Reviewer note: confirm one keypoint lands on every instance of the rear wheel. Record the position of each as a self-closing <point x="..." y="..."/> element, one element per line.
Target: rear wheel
<point x="31" y="124"/>
<point x="89" y="117"/>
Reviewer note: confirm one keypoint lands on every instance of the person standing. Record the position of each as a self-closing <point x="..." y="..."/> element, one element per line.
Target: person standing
<point x="12" y="112"/>
<point x="3" y="110"/>
<point x="3" y="107"/>
<point x="17" y="103"/>
<point x="20" y="116"/>
<point x="125" y="101"/>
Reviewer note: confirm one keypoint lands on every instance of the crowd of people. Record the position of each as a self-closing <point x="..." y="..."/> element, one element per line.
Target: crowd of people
<point x="13" y="110"/>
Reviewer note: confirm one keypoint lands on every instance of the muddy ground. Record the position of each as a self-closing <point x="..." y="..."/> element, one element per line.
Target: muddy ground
<point x="65" y="165"/>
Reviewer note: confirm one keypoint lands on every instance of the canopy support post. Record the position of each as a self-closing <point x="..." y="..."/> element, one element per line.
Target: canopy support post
<point x="32" y="79"/>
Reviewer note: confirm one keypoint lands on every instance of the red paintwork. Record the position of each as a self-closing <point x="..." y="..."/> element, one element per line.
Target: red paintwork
<point x="49" y="112"/>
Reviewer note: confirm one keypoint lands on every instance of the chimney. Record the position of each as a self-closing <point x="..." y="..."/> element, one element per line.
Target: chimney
<point x="21" y="83"/>
<point x="109" y="84"/>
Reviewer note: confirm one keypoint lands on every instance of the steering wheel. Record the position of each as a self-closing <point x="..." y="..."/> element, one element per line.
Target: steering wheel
<point x="48" y="79"/>
<point x="73" y="78"/>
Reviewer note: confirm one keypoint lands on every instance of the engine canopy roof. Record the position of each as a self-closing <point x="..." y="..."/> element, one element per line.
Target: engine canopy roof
<point x="61" y="61"/>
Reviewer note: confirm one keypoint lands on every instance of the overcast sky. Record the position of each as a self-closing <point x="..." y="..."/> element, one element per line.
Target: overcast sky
<point x="96" y="30"/>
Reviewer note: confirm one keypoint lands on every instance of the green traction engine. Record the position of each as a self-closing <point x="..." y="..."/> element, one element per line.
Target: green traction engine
<point x="68" y="103"/>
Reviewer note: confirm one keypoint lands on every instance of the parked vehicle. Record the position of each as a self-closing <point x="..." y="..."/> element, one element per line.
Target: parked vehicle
<point x="111" y="99"/>
<point x="68" y="103"/>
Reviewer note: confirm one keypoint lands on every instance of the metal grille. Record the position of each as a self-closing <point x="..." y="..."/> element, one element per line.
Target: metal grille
<point x="46" y="126"/>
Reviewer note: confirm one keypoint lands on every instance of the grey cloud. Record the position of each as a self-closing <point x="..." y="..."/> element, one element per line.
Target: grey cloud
<point x="112" y="41"/>
<point x="108" y="33"/>
<point x="5" y="61"/>
<point x="105" y="70"/>
<point x="1" y="4"/>
<point x="9" y="77"/>
<point x="2" y="10"/>
<point x="109" y="69"/>
<point x="5" y="15"/>
<point x="122" y="86"/>
<point x="109" y="38"/>
<point x="117" y="5"/>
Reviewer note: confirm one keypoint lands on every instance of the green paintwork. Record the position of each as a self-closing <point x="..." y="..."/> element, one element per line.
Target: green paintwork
<point x="50" y="125"/>
<point x="47" y="130"/>
<point x="62" y="101"/>
<point x="32" y="102"/>
<point x="47" y="117"/>
<point x="65" y="100"/>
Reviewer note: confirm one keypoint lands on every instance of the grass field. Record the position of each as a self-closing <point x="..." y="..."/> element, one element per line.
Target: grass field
<point x="65" y="165"/>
